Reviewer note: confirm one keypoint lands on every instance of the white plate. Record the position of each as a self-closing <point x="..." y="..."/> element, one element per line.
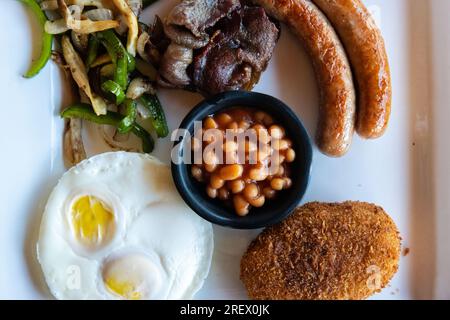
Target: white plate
<point x="406" y="171"/>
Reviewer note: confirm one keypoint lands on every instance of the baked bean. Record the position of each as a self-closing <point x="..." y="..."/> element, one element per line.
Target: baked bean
<point x="280" y="171"/>
<point x="264" y="152"/>
<point x="216" y="181"/>
<point x="279" y="144"/>
<point x="263" y="136"/>
<point x="212" y="193"/>
<point x="251" y="191"/>
<point x="273" y="169"/>
<point x="210" y="167"/>
<point x="290" y="155"/>
<point x="277" y="184"/>
<point x="231" y="158"/>
<point x="231" y="172"/>
<point x="210" y="123"/>
<point x="197" y="173"/>
<point x="268" y="120"/>
<point x="244" y="125"/>
<point x="289" y="142"/>
<point x="236" y="186"/>
<point x="269" y="193"/>
<point x="258" y="174"/>
<point x="259" y="116"/>
<point x="209" y="157"/>
<point x="213" y="135"/>
<point x="234" y="132"/>
<point x="258" y="201"/>
<point x="233" y="126"/>
<point x="254" y="168"/>
<point x="223" y="119"/>
<point x="277" y="159"/>
<point x="276" y="132"/>
<point x="196" y="144"/>
<point x="287" y="183"/>
<point x="250" y="146"/>
<point x="241" y="205"/>
<point x="258" y="127"/>
<point x="230" y="146"/>
<point x="224" y="194"/>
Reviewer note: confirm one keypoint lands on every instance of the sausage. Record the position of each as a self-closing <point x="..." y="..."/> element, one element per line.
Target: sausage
<point x="366" y="50"/>
<point x="332" y="69"/>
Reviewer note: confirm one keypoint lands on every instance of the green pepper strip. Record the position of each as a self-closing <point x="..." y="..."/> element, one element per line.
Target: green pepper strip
<point x="121" y="73"/>
<point x="92" y="54"/>
<point x="115" y="48"/>
<point x="157" y="116"/>
<point x="47" y="40"/>
<point x="126" y="124"/>
<point x="115" y="90"/>
<point x="85" y="111"/>
<point x="147" y="141"/>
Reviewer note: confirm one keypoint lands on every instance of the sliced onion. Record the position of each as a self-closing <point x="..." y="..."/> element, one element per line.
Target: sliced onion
<point x="138" y="87"/>
<point x="143" y="39"/>
<point x="49" y="5"/>
<point x="111" y="138"/>
<point x="99" y="14"/>
<point x="143" y="112"/>
<point x="121" y="137"/>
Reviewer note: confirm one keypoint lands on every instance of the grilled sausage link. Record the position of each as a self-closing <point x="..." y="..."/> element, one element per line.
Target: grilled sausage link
<point x="332" y="69"/>
<point x="365" y="47"/>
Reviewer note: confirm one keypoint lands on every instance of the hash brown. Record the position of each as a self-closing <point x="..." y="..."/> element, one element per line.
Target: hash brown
<point x="323" y="251"/>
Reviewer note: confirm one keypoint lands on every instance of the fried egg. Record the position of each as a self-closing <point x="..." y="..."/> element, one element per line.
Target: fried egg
<point x="115" y="228"/>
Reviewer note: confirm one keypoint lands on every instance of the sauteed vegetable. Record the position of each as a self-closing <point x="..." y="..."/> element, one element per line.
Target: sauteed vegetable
<point x="111" y="58"/>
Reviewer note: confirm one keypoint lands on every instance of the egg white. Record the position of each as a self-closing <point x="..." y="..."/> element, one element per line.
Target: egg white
<point x="151" y="219"/>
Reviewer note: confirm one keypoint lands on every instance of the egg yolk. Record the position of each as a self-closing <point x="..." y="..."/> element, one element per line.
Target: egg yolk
<point x="124" y="289"/>
<point x="92" y="221"/>
<point x="134" y="276"/>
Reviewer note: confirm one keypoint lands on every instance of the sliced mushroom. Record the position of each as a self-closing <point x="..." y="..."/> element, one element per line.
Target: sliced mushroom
<point x="74" y="151"/>
<point x="100" y="14"/>
<point x="79" y="74"/>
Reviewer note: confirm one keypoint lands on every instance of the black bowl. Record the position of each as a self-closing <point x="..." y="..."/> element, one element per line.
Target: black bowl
<point x="214" y="210"/>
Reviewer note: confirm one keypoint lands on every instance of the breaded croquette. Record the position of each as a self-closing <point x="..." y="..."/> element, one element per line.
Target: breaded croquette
<point x="323" y="251"/>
